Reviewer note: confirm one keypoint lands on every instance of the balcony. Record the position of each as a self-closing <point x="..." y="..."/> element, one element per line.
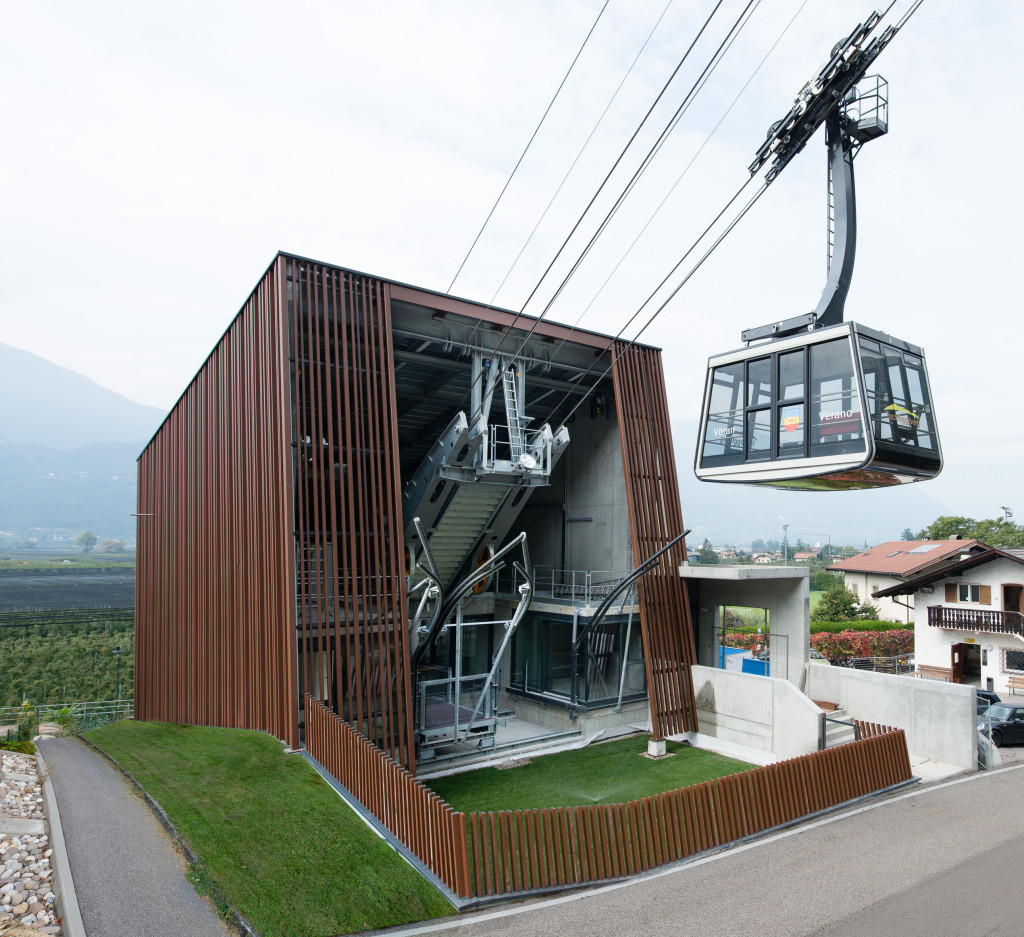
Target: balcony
<point x="976" y="619"/>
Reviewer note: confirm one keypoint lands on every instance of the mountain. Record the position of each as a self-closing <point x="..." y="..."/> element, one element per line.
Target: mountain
<point x="67" y="451"/>
<point x="46" y="405"/>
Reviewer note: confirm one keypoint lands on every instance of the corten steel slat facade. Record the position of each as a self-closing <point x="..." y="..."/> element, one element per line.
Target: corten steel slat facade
<point x="271" y="546"/>
<point x="655" y="517"/>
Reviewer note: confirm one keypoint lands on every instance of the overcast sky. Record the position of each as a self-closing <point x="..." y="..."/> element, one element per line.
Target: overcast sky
<point x="158" y="155"/>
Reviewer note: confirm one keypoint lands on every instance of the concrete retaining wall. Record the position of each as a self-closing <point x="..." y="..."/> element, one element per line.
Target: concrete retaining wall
<point x="939" y="718"/>
<point x="764" y="713"/>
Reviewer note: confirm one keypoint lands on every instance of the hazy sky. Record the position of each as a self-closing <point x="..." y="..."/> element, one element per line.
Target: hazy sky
<point x="158" y="155"/>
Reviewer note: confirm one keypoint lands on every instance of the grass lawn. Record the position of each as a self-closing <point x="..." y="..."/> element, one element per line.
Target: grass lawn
<point x="607" y="773"/>
<point x="815" y="596"/>
<point x="284" y="849"/>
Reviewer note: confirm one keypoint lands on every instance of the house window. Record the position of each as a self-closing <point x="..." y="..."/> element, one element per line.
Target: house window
<point x="968" y="592"/>
<point x="1013" y="660"/>
<point x="855" y="589"/>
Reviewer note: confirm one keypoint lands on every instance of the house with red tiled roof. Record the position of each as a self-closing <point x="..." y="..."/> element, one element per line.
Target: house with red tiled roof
<point x="969" y="623"/>
<point x="893" y="563"/>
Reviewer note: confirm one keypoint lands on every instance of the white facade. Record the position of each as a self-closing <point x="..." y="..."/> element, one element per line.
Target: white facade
<point x="889" y="608"/>
<point x="970" y="637"/>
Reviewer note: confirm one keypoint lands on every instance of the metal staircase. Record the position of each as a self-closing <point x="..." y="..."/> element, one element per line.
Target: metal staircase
<point x="516" y="421"/>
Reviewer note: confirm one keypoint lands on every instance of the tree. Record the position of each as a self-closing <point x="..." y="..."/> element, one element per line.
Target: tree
<point x="907" y="534"/>
<point x="759" y="546"/>
<point x="706" y="554"/>
<point x="86" y="540"/>
<point x="111" y="546"/>
<point x="839" y="604"/>
<point x="994" y="533"/>
<point x="823" y="580"/>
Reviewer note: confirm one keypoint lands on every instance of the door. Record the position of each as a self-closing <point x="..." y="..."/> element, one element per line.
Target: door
<point x="1014" y="731"/>
<point x="1012" y="597"/>
<point x="957" y="652"/>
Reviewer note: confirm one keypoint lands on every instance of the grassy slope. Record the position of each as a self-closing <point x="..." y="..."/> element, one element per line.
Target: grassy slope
<point x="612" y="772"/>
<point x="280" y="844"/>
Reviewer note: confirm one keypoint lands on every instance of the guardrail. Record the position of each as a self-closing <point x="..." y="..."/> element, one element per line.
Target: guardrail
<point x="87" y="709"/>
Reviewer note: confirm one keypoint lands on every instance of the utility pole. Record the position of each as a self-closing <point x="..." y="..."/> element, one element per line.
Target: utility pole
<point x="785" y="544"/>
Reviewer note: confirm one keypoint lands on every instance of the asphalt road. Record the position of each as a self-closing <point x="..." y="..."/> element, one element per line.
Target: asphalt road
<point x="129" y="878"/>
<point x="939" y="861"/>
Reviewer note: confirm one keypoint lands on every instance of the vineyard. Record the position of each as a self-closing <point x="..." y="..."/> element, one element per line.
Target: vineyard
<point x="66" y="655"/>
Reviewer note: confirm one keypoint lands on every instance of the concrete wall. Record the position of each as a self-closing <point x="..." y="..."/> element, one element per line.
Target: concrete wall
<point x="764" y="713"/>
<point x="781" y="590"/>
<point x="938" y="718"/>
<point x="587" y="483"/>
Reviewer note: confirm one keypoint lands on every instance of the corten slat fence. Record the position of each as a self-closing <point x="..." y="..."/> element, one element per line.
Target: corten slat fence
<point x="503" y="853"/>
<point x="427" y="826"/>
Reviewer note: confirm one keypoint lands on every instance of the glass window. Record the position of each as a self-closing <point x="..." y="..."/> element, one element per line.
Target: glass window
<point x="759" y="388"/>
<point x="791" y="376"/>
<point x="836" y="419"/>
<point x="791" y="430"/>
<point x="759" y="434"/>
<point x="1013" y="660"/>
<point x="897" y="395"/>
<point x="724" y="433"/>
<point x="969" y="592"/>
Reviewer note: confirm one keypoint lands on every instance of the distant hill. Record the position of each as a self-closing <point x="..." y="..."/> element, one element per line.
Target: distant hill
<point x="46" y="405"/>
<point x="67" y="450"/>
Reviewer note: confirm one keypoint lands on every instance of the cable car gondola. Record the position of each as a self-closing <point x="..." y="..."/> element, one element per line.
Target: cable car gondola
<point x="837" y="408"/>
<point x="820" y="404"/>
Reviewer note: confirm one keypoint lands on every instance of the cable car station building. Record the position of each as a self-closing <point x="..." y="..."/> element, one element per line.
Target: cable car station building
<point x="407" y="506"/>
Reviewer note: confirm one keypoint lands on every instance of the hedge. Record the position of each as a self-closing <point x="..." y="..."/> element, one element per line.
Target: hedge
<point x="847" y="643"/>
<point x="835" y="627"/>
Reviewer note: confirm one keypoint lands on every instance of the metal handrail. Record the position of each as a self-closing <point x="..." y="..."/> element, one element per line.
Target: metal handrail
<point x="823" y="729"/>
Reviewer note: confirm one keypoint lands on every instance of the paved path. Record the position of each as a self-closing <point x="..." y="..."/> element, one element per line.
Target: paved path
<point x="939" y="861"/>
<point x="128" y="876"/>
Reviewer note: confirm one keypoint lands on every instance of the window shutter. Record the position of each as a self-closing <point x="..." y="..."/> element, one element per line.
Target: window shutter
<point x="950" y="591"/>
<point x="986" y="595"/>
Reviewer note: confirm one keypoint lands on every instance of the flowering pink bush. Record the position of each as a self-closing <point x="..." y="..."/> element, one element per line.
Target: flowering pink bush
<point x="863" y="643"/>
<point x="844" y="644"/>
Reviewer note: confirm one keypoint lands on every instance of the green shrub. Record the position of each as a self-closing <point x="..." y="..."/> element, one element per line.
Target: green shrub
<point x="834" y="627"/>
<point x="13" y="745"/>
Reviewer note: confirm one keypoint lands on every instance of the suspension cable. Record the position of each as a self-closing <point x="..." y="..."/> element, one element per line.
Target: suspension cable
<point x="529" y="143"/>
<point x="579" y="155"/>
<point x="721" y="237"/>
<point x="687" y="100"/>
<point x="604" y="182"/>
<point x="679" y="179"/>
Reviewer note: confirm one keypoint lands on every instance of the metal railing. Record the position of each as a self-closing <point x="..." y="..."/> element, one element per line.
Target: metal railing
<point x="577" y="585"/>
<point x="976" y="619"/>
<point x="88" y="709"/>
<point x="902" y="663"/>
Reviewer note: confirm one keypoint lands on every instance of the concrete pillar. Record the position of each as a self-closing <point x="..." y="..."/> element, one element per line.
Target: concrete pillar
<point x="656" y="748"/>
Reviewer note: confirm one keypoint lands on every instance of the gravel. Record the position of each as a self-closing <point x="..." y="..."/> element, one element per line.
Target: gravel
<point x="26" y="877"/>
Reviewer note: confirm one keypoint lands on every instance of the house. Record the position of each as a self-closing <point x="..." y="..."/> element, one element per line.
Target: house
<point x="969" y="618"/>
<point x="805" y="557"/>
<point x="889" y="564"/>
<point x="411" y="507"/>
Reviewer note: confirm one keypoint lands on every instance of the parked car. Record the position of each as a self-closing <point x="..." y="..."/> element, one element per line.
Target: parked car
<point x="1006" y="721"/>
<point x="985" y="699"/>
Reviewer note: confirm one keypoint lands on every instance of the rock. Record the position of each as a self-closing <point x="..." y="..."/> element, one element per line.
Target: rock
<point x="20" y="908"/>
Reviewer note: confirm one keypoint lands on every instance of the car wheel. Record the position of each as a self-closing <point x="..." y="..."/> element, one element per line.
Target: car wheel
<point x="997" y="738"/>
